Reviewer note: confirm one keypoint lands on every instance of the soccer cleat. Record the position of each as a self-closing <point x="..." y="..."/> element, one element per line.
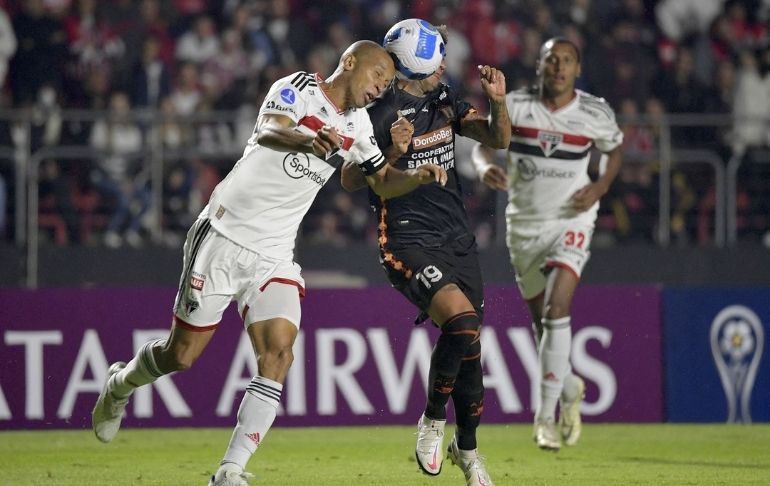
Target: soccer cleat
<point x="546" y="437"/>
<point x="471" y="463"/>
<point x="108" y="411"/>
<point x="569" y="416"/>
<point x="430" y="445"/>
<point x="230" y="474"/>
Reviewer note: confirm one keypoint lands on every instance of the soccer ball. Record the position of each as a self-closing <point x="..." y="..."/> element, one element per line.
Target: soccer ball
<point x="417" y="48"/>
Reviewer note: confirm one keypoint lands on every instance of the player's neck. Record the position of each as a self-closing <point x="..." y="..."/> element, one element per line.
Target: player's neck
<point x="558" y="101"/>
<point x="335" y="92"/>
<point x="414" y="88"/>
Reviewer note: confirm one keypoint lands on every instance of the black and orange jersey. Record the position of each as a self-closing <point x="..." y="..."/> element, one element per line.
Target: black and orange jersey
<point x="431" y="215"/>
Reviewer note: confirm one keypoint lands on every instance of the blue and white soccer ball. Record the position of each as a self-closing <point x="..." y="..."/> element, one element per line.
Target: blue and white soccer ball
<point x="417" y="46"/>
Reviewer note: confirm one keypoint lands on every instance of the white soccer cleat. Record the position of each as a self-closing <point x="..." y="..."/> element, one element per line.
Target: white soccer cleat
<point x="471" y="463"/>
<point x="108" y="411"/>
<point x="230" y="474"/>
<point x="546" y="437"/>
<point x="569" y="416"/>
<point x="430" y="445"/>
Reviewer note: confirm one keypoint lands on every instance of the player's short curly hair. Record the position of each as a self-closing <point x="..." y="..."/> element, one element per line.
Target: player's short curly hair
<point x="548" y="45"/>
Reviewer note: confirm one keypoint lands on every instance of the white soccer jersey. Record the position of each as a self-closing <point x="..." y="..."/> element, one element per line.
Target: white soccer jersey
<point x="549" y="153"/>
<point x="261" y="202"/>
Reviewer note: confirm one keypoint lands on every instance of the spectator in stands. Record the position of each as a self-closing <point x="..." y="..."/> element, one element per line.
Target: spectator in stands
<point x="8" y="47"/>
<point x="46" y="126"/>
<point x="228" y="69"/>
<point x="151" y="80"/>
<point x="752" y="102"/>
<point x="55" y="194"/>
<point x="154" y="24"/>
<point x="41" y="52"/>
<point x="186" y="94"/>
<point x="518" y="70"/>
<point x="92" y="40"/>
<point x="678" y="19"/>
<point x="120" y="175"/>
<point x="681" y="92"/>
<point x="199" y="44"/>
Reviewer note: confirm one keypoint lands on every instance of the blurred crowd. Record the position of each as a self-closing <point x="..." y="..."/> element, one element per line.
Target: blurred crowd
<point x="160" y="74"/>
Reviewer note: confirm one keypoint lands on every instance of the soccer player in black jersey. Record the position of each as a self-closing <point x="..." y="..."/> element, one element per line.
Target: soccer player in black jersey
<point x="428" y="251"/>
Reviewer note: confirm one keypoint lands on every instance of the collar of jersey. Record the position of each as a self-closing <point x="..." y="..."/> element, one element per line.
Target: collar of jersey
<point x="564" y="108"/>
<point x="320" y="79"/>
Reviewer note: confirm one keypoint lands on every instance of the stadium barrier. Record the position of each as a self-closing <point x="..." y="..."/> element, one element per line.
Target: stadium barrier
<point x="716" y="364"/>
<point x="358" y="359"/>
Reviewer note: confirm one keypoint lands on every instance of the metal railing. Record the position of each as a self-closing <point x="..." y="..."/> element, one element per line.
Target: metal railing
<point x="669" y="156"/>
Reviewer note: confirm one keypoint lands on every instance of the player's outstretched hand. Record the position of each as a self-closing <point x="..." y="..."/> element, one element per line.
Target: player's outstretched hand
<point x="401" y="132"/>
<point x="492" y="82"/>
<point x="586" y="196"/>
<point x="495" y="177"/>
<point x="326" y="142"/>
<point x="429" y="173"/>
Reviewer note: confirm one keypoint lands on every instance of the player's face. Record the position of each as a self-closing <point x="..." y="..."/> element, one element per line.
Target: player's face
<point x="434" y="80"/>
<point x="559" y="68"/>
<point x="373" y="74"/>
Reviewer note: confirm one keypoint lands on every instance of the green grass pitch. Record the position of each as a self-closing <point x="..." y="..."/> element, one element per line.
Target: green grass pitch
<point x="607" y="455"/>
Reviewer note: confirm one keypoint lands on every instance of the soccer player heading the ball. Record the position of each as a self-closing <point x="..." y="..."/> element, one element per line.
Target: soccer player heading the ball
<point x="426" y="247"/>
<point x="550" y="216"/>
<point x="242" y="245"/>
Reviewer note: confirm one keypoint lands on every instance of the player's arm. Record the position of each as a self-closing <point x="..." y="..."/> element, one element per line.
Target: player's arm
<point x="279" y="132"/>
<point x="489" y="172"/>
<point x="401" y="131"/>
<point x="389" y="182"/>
<point x="586" y="196"/>
<point x="493" y="131"/>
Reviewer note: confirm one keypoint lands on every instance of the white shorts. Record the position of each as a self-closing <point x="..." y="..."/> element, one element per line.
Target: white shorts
<point x="536" y="246"/>
<point x="218" y="271"/>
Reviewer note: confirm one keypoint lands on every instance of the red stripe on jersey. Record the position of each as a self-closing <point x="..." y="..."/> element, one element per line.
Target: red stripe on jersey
<point x="528" y="132"/>
<point x="286" y="281"/>
<point x="316" y="124"/>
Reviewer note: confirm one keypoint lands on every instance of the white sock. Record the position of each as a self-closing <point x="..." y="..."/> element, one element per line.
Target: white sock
<point x="255" y="416"/>
<point x="554" y="363"/>
<point x="141" y="370"/>
<point x="570" y="389"/>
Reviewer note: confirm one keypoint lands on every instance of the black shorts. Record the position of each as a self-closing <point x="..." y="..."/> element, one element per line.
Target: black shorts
<point x="419" y="273"/>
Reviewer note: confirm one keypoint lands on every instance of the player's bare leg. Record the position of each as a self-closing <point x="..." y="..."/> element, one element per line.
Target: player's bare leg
<point x="153" y="360"/>
<point x="272" y="341"/>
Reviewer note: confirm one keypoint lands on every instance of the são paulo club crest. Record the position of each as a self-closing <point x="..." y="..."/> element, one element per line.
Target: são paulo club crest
<point x="549" y="141"/>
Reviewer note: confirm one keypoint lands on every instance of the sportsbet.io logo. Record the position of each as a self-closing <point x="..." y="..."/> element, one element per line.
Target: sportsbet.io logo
<point x="527" y="169"/>
<point x="297" y="166"/>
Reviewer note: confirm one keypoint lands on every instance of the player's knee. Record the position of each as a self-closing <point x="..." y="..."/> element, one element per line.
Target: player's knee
<point x="463" y="329"/>
<point x="277" y="358"/>
<point x="176" y="357"/>
<point x="180" y="360"/>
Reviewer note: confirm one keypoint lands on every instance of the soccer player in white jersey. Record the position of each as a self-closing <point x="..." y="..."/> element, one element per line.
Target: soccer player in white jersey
<point x="550" y="216"/>
<point x="242" y="245"/>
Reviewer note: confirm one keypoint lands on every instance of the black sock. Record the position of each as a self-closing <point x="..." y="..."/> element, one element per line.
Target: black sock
<point x="468" y="398"/>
